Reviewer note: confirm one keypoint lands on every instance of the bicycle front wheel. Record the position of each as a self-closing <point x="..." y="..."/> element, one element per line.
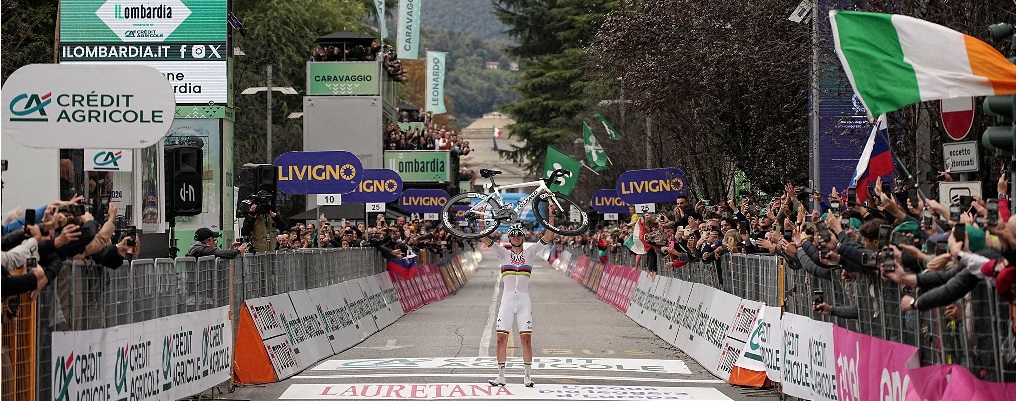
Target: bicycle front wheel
<point x="471" y="215"/>
<point x="570" y="217"/>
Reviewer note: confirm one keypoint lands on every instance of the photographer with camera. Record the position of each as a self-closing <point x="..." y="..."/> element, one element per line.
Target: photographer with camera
<point x="260" y="222"/>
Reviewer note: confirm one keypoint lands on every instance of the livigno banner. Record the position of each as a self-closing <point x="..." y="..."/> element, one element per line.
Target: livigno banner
<point x="419" y="165"/>
<point x="142" y="21"/>
<point x="342" y="78"/>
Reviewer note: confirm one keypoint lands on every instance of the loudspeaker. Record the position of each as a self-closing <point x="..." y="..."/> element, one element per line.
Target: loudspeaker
<point x="184" y="165"/>
<point x="254" y="178"/>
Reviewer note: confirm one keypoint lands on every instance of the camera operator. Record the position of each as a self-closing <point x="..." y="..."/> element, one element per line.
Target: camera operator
<point x="260" y="221"/>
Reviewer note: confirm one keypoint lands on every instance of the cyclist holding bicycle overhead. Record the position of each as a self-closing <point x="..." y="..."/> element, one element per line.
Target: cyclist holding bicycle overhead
<point x="515" y="302"/>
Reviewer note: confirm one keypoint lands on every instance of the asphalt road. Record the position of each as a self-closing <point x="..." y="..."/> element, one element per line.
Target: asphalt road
<point x="584" y="349"/>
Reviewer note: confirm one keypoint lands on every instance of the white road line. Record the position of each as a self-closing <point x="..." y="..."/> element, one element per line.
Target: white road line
<point x="537" y="376"/>
<point x="491" y="317"/>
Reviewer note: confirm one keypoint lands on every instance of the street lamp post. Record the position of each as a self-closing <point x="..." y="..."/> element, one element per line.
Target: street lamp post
<point x="285" y="90"/>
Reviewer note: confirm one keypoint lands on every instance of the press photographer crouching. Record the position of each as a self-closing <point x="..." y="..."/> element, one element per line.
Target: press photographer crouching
<point x="260" y="221"/>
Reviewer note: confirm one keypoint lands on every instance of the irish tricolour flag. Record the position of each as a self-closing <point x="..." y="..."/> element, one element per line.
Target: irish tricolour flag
<point x="637" y="240"/>
<point x="894" y="60"/>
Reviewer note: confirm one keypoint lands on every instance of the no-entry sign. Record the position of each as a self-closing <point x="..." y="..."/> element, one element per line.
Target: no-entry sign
<point x="958" y="116"/>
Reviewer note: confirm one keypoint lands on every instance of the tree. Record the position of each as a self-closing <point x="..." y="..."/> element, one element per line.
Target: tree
<point x="28" y="34"/>
<point x="550" y="36"/>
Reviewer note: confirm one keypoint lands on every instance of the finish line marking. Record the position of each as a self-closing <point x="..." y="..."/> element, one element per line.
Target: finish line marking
<point x="490" y="363"/>
<point x="538" y="377"/>
<point x="403" y="391"/>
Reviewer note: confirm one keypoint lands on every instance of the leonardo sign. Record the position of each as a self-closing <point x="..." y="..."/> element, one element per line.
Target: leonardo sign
<point x="60" y="106"/>
<point x="342" y="78"/>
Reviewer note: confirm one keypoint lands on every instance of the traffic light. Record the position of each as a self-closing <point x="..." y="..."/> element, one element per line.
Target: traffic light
<point x="184" y="165"/>
<point x="1001" y="138"/>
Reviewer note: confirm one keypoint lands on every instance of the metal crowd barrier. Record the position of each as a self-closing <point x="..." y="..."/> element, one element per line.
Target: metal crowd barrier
<point x="85" y="296"/>
<point x="981" y="340"/>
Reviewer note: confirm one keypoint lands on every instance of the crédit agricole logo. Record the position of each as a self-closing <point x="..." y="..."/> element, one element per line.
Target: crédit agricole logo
<point x="142" y="21"/>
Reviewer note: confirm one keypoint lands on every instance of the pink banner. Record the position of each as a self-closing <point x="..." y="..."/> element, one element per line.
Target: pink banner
<point x="608" y="273"/>
<point x="956" y="383"/>
<point x="580" y="269"/>
<point x="869" y="368"/>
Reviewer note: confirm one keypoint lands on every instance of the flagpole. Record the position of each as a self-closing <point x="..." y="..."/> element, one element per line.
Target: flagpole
<point x="590" y="169"/>
<point x="899" y="162"/>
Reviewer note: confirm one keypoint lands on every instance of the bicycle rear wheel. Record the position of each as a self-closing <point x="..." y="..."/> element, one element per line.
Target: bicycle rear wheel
<point x="471" y="215"/>
<point x="567" y="208"/>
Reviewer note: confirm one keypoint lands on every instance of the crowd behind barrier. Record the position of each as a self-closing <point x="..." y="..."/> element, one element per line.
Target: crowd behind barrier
<point x="981" y="342"/>
<point x="85" y="296"/>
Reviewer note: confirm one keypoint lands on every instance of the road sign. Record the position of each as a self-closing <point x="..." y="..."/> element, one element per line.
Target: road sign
<point x="961" y="157"/>
<point x="375" y="207"/>
<point x="950" y="192"/>
<point x="957" y="116"/>
<point x="645" y="208"/>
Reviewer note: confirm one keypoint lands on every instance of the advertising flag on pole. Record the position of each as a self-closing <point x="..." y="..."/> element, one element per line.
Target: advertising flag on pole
<point x="409" y="29"/>
<point x="615" y="135"/>
<point x="435" y="82"/>
<point x="557" y="159"/>
<point x="594" y="152"/>
<point x="379" y="7"/>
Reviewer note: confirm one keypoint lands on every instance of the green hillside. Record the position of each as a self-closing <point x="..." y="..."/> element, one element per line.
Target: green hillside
<point x="474" y="17"/>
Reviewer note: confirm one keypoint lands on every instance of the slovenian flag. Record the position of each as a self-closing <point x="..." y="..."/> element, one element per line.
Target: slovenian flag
<point x="637" y="240"/>
<point x="894" y="60"/>
<point x="404" y="267"/>
<point x="876" y="160"/>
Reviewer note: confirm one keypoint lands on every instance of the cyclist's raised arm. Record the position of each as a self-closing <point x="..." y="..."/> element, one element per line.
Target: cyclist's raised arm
<point x="547" y="234"/>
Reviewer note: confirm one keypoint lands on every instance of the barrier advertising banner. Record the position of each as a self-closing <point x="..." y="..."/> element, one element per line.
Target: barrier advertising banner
<point x="307" y="330"/>
<point x="809" y="367"/>
<point x="339" y="327"/>
<point x="650" y="186"/>
<point x="327" y="172"/>
<point x="762" y="351"/>
<point x="161" y="359"/>
<point x="883" y="373"/>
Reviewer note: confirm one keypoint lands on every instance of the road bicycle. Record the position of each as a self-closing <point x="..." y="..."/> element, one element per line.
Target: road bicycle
<point x="474" y="215"/>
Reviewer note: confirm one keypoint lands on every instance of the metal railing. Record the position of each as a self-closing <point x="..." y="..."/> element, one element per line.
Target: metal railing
<point x="85" y="296"/>
<point x="981" y="339"/>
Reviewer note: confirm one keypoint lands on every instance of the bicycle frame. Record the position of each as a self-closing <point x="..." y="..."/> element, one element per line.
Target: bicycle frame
<point x="541" y="188"/>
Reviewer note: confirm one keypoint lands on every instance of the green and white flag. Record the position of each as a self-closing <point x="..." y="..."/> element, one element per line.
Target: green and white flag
<point x="613" y="132"/>
<point x="557" y="159"/>
<point x="594" y="152"/>
<point x="435" y="82"/>
<point x="379" y="7"/>
<point x="409" y="29"/>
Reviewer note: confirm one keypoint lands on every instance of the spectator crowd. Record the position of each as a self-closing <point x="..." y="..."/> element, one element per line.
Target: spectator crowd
<point x="937" y="253"/>
<point x="389" y="58"/>
<point x="401" y="235"/>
